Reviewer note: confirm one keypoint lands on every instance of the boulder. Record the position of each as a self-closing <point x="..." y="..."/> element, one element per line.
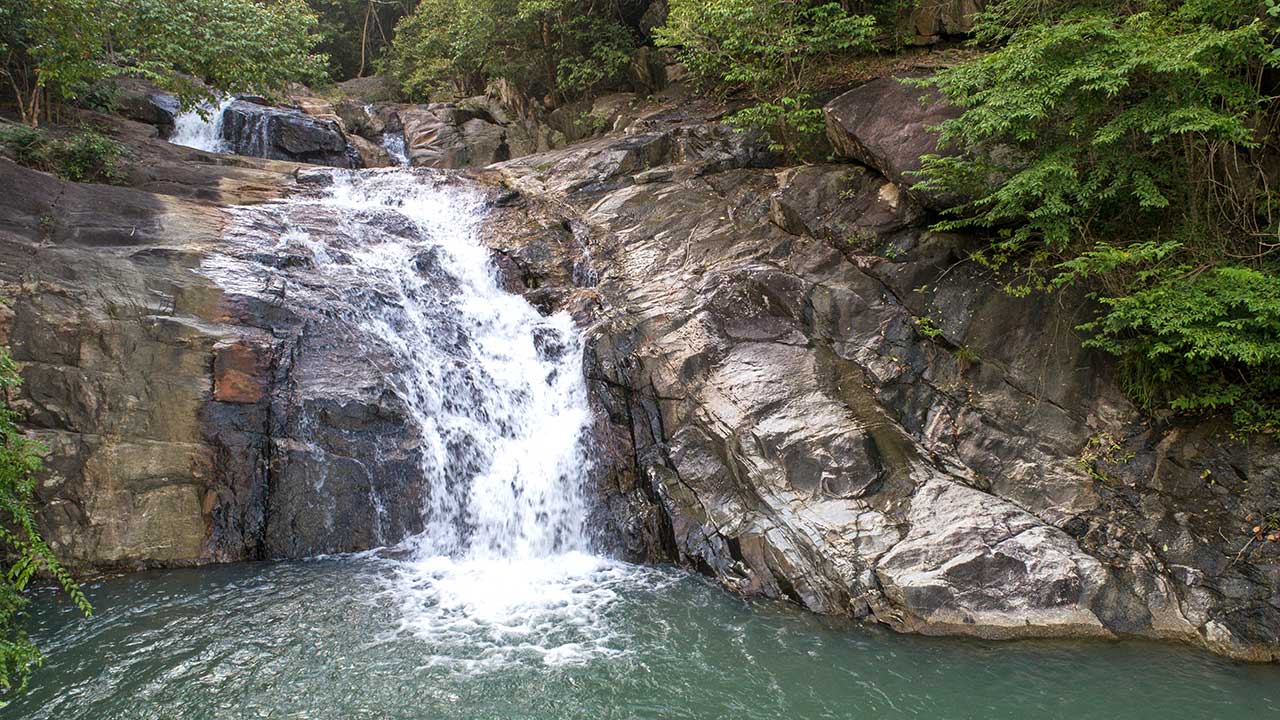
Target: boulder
<point x="932" y="20"/>
<point x="655" y="16"/>
<point x="889" y="125"/>
<point x="362" y="119"/>
<point x="141" y="101"/>
<point x="285" y="134"/>
<point x="372" y="155"/>
<point x="847" y="205"/>
<point x="447" y="135"/>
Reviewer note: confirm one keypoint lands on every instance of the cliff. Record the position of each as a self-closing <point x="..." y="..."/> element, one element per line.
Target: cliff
<point x="802" y="391"/>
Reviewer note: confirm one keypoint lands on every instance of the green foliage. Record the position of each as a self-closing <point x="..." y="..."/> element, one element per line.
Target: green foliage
<point x="928" y="328"/>
<point x="1119" y="145"/>
<point x="88" y="157"/>
<point x="1114" y="115"/>
<point x="558" y="48"/>
<point x="29" y="146"/>
<point x="768" y="49"/>
<point x="58" y="49"/>
<point x="25" y="552"/>
<point x="82" y="157"/>
<point x="794" y="123"/>
<point x="1200" y="341"/>
<point x="354" y="34"/>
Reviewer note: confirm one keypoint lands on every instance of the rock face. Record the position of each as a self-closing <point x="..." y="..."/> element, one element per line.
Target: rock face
<point x="932" y="20"/>
<point x="116" y="339"/>
<point x="285" y="134"/>
<point x="140" y="101"/>
<point x="886" y="124"/>
<point x="472" y="133"/>
<point x="193" y="415"/>
<point x="802" y="391"/>
<point x="812" y="397"/>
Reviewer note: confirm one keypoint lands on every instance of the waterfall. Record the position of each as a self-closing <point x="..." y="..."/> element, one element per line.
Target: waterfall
<point x="393" y="143"/>
<point x="201" y="133"/>
<point x="495" y="389"/>
<point x="497" y="405"/>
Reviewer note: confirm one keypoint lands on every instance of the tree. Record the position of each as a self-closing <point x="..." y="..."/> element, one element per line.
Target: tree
<point x="25" y="553"/>
<point x="768" y="49"/>
<point x="55" y="49"/>
<point x="356" y="33"/>
<point x="555" y="48"/>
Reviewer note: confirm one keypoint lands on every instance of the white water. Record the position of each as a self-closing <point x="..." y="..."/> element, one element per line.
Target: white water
<point x="504" y="570"/>
<point x="201" y="133"/>
<point x="393" y="143"/>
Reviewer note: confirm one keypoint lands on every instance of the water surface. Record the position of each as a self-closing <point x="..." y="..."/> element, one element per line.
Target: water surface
<point x="351" y="638"/>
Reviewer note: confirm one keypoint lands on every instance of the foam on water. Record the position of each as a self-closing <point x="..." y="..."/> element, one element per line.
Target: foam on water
<point x="504" y="570"/>
<point x="192" y="130"/>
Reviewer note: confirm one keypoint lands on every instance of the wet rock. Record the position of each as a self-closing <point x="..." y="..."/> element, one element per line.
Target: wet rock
<point x="371" y="154"/>
<point x="239" y="373"/>
<point x="118" y="340"/>
<point x="141" y="101"/>
<point x="285" y="134"/>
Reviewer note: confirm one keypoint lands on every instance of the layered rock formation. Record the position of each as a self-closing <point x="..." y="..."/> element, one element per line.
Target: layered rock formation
<point x="803" y="391"/>
<point x="258" y="130"/>
<point x="196" y="389"/>
<point x="826" y="403"/>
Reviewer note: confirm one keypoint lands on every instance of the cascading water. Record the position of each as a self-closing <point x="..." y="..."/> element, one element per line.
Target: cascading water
<point x="393" y="143"/>
<point x="462" y="619"/>
<point x="192" y="130"/>
<point x="496" y="398"/>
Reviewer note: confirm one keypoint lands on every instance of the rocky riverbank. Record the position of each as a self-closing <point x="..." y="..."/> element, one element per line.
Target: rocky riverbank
<point x="802" y="391"/>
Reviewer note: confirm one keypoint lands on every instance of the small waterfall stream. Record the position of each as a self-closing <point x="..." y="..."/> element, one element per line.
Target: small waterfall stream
<point x="192" y="130"/>
<point x="495" y="389"/>
<point x="394" y="144"/>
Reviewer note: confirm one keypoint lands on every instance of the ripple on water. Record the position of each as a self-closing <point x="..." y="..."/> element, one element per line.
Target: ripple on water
<point x="569" y="637"/>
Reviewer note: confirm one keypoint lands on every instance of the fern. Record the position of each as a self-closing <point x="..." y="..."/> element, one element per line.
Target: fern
<point x="1114" y="145"/>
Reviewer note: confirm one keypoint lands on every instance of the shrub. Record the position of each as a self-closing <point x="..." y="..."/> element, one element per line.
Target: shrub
<point x="1120" y="145"/>
<point x="1114" y="120"/>
<point x="560" y="48"/>
<point x="29" y="146"/>
<point x="768" y="49"/>
<point x="83" y="157"/>
<point x="1196" y="341"/>
<point x="89" y="157"/>
<point x="25" y="553"/>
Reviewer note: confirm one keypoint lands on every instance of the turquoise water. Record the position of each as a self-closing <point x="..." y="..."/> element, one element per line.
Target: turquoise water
<point x="365" y="638"/>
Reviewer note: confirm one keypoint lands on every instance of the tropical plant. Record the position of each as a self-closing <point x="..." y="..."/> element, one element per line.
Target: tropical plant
<point x="54" y="49"/>
<point x="25" y="553"/>
<point x="768" y="49"/>
<point x="1122" y="145"/>
<point x="354" y="34"/>
<point x="85" y="156"/>
<point x="561" y="49"/>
